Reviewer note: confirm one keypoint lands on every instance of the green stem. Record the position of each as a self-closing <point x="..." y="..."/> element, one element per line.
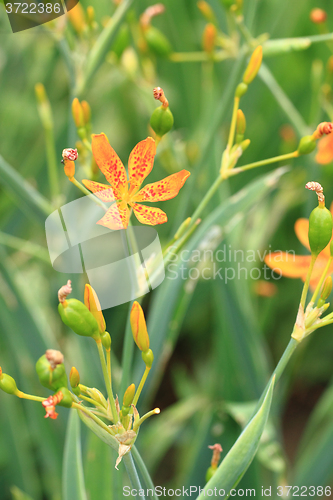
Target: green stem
<point x="103" y="45"/>
<point x="127" y="356"/>
<point x="144" y="471"/>
<point x="108" y="363"/>
<point x="22" y="395"/>
<point x="91" y="415"/>
<point x="321" y="281"/>
<point x="142" y="383"/>
<point x="199" y="56"/>
<point x="249" y="166"/>
<point x="279" y="368"/>
<point x="233" y="123"/>
<point x="137" y="424"/>
<point x="92" y="401"/>
<point x="107" y="381"/>
<point x="132" y="473"/>
<point x="307" y="280"/>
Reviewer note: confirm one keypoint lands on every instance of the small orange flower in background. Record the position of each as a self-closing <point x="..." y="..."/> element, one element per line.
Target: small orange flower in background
<point x="127" y="193"/>
<point x="325" y="150"/>
<point x="296" y="266"/>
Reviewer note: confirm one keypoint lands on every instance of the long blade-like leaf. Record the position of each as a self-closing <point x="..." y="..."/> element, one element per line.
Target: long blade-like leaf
<point x="237" y="461"/>
<point x="72" y="477"/>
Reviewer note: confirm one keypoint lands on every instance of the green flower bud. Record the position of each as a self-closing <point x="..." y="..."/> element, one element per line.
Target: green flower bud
<point x="129" y="395"/>
<point x="148" y="358"/>
<point x="106" y="340"/>
<point x="161" y="120"/>
<point x="157" y="42"/>
<point x="74" y="377"/>
<point x="306" y="145"/>
<point x="50" y="376"/>
<point x="78" y="317"/>
<point x="320" y="229"/>
<point x="241" y="89"/>
<point x="7" y="383"/>
<point x="326" y="291"/>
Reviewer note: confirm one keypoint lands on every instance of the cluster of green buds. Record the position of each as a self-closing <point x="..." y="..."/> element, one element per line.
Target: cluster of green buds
<point x="161" y="120"/>
<point x="320" y="235"/>
<point x="82" y="117"/>
<point x="103" y="416"/>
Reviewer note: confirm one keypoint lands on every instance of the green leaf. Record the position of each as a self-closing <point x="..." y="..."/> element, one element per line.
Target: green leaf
<point x="237" y="461"/>
<point x="99" y="469"/>
<point x="27" y="197"/>
<point x="315" y="456"/>
<point x="72" y="476"/>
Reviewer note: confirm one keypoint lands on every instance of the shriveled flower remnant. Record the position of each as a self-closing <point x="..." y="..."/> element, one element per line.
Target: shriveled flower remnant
<point x="125" y="193"/>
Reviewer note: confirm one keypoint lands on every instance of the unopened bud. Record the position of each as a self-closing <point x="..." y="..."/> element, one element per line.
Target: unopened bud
<point x="245" y="144"/>
<point x="206" y="10"/>
<point x="78" y="317"/>
<point x="148" y="358"/>
<point x="209" y="38"/>
<point x="129" y="395"/>
<point x="77" y="113"/>
<point x="106" y="340"/>
<point x="320" y="222"/>
<point x="74" y="377"/>
<point x="326" y="291"/>
<point x="92" y="303"/>
<point x="157" y="42"/>
<point x="7" y="383"/>
<point x="253" y="66"/>
<point x="91" y="15"/>
<point x="86" y="112"/>
<point x="41" y="93"/>
<point x="318" y="16"/>
<point x="241" y="122"/>
<point x="241" y="89"/>
<point x="77" y="18"/>
<point x="149" y="13"/>
<point x="69" y="156"/>
<point x="139" y="327"/>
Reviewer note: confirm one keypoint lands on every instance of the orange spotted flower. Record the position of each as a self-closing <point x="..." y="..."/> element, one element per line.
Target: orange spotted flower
<point x="296" y="266"/>
<point x="125" y="192"/>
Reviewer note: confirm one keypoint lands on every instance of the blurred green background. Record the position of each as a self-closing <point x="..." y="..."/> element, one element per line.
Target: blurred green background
<point x="215" y="343"/>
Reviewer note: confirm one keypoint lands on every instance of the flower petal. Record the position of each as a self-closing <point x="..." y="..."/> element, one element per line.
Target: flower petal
<point x="140" y="162"/>
<point x="302" y="229"/>
<point x="109" y="164"/>
<point x="149" y="215"/>
<point x="325" y="150"/>
<point x="289" y="265"/>
<point x="116" y="217"/>
<point x="102" y="191"/>
<point x="163" y="190"/>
